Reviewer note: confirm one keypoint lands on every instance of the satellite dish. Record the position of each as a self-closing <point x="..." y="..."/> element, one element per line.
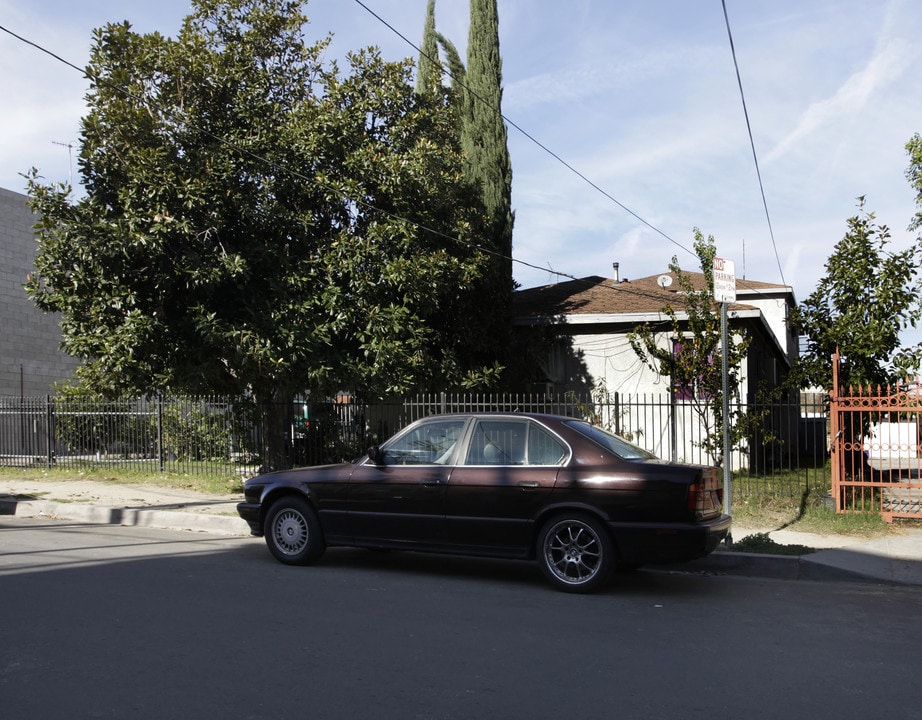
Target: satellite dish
<point x="664" y="281"/>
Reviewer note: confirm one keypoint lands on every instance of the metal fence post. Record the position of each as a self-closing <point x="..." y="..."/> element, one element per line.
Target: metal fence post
<point x="49" y="429"/>
<point x="673" y="422"/>
<point x="160" y="431"/>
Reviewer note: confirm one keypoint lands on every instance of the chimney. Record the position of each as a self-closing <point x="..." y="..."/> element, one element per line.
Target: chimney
<point x="614" y="266"/>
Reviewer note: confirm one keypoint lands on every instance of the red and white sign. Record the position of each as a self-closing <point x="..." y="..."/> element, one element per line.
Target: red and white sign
<point x="724" y="280"/>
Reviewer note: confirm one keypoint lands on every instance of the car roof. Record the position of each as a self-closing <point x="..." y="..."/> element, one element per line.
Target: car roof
<point x="499" y="413"/>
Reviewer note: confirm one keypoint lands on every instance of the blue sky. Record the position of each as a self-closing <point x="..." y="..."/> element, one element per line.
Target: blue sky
<point x="639" y="96"/>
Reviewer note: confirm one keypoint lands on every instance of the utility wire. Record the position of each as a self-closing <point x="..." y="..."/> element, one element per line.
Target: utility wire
<point x="522" y="131"/>
<point x="276" y="166"/>
<point x="752" y="144"/>
<point x="147" y="102"/>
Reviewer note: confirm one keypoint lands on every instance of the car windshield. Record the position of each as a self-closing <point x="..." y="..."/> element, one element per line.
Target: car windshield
<point x="614" y="443"/>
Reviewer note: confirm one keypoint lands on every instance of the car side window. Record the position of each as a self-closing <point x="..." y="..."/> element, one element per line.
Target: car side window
<point x="498" y="442"/>
<point x="430" y="443"/>
<point x="544" y="448"/>
<point x="513" y="442"/>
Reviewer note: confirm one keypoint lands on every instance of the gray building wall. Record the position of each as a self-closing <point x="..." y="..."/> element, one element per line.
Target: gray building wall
<point x="30" y="356"/>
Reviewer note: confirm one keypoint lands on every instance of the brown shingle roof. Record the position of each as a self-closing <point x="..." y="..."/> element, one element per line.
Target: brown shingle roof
<point x="598" y="295"/>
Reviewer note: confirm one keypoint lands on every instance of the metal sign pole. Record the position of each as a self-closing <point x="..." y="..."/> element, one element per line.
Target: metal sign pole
<point x="728" y="494"/>
<point x="725" y="293"/>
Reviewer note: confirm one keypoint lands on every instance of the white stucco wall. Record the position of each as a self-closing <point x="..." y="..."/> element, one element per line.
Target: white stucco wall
<point x="610" y="362"/>
<point x="774" y="311"/>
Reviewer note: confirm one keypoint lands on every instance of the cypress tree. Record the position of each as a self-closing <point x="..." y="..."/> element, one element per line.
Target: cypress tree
<point x="477" y="92"/>
<point x="455" y="64"/>
<point x="483" y="132"/>
<point x="430" y="70"/>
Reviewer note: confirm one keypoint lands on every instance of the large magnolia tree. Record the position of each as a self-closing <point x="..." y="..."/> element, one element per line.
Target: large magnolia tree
<point x="256" y="220"/>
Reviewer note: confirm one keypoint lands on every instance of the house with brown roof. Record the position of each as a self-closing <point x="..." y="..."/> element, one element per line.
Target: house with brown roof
<point x="583" y="327"/>
<point x="589" y="319"/>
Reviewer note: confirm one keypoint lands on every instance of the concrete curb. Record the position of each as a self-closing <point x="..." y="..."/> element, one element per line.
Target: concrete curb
<point x="776" y="567"/>
<point x="131" y="517"/>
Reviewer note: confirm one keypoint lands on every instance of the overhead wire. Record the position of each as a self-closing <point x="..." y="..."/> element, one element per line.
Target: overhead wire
<point x="295" y="173"/>
<point x="516" y="126"/>
<point x="522" y="131"/>
<point x="447" y="71"/>
<point x="755" y="156"/>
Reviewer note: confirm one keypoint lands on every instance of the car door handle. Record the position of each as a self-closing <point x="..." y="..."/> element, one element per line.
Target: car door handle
<point x="528" y="484"/>
<point x="430" y="481"/>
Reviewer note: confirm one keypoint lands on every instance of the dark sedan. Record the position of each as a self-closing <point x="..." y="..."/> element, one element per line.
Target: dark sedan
<point x="579" y="500"/>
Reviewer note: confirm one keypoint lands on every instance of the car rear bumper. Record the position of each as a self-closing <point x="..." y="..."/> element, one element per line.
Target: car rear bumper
<point x="250" y="513"/>
<point x="655" y="543"/>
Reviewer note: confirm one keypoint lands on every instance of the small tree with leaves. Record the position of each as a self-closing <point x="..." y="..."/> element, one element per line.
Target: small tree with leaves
<point x="914" y="175"/>
<point x="868" y="295"/>
<point x="689" y="351"/>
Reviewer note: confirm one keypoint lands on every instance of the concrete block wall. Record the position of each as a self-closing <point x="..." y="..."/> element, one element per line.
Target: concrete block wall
<point x="31" y="360"/>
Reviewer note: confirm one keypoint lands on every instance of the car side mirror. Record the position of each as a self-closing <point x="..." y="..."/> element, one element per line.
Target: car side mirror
<point x="376" y="455"/>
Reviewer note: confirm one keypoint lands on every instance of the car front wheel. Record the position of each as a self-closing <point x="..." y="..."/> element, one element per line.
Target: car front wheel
<point x="576" y="553"/>
<point x="293" y="532"/>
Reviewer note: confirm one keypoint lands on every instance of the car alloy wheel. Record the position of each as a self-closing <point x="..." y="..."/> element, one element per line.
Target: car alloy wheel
<point x="575" y="553"/>
<point x="290" y="530"/>
<point x="293" y="532"/>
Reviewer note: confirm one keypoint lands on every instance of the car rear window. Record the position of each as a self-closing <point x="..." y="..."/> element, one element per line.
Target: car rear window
<point x="611" y="442"/>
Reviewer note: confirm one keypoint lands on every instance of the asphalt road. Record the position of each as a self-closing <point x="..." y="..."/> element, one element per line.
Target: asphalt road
<point x="116" y="622"/>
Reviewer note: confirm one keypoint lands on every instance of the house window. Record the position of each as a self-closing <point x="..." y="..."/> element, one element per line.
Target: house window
<point x="555" y="364"/>
<point x="685" y="386"/>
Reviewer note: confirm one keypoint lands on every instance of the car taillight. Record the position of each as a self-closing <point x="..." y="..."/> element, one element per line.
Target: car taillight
<point x="705" y="495"/>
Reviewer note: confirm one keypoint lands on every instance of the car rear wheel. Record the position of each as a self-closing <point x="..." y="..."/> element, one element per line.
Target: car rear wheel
<point x="576" y="553"/>
<point x="293" y="532"/>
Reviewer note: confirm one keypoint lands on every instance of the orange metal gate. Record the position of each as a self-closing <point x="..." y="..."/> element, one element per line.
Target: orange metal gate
<point x="875" y="448"/>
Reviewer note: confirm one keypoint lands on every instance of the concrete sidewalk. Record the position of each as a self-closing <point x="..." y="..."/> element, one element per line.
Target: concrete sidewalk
<point x="895" y="559"/>
<point x="116" y="504"/>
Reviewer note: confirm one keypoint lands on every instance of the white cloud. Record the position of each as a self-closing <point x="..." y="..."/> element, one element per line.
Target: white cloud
<point x="885" y="67"/>
<point x="602" y="76"/>
<point x="640" y="97"/>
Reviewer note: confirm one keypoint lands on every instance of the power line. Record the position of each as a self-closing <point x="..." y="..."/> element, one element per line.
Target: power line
<point x="513" y="124"/>
<point x="147" y="102"/>
<point x="522" y="131"/>
<point x="752" y="144"/>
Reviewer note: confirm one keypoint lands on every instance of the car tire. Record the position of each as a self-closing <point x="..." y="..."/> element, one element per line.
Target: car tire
<point x="293" y="532"/>
<point x="576" y="553"/>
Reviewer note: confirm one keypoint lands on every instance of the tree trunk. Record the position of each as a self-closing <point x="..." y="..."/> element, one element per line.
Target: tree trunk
<point x="275" y="418"/>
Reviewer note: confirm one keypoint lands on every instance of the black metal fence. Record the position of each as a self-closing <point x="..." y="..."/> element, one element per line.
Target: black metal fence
<point x="783" y="452"/>
<point x="192" y="435"/>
